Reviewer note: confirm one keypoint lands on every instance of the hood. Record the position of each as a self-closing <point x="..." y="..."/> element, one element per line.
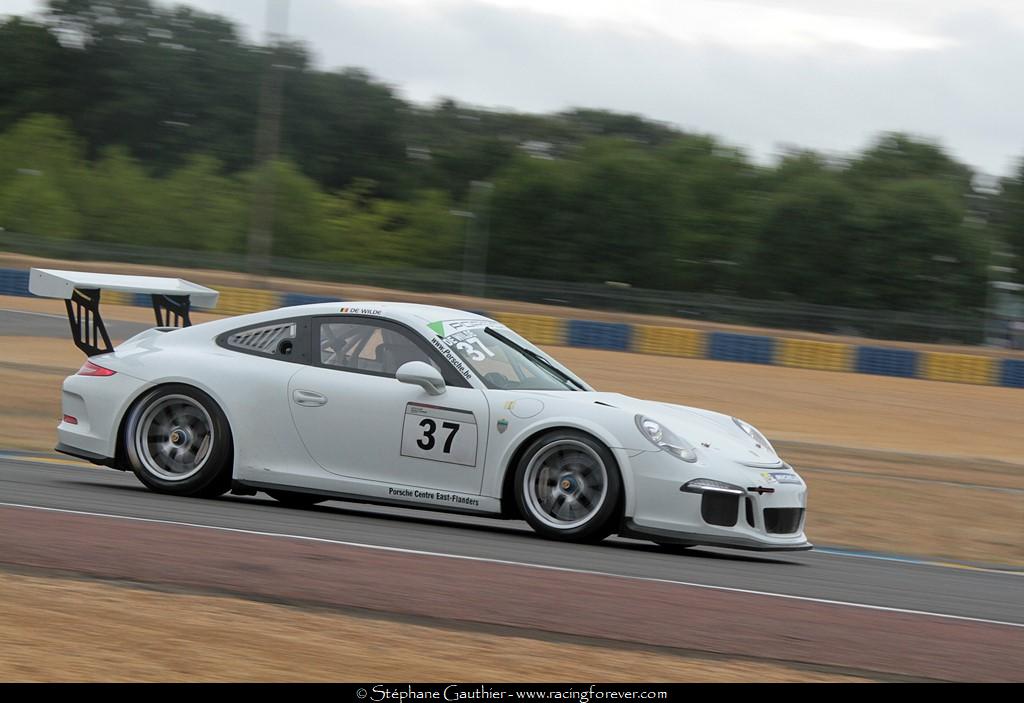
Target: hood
<point x="707" y="431"/>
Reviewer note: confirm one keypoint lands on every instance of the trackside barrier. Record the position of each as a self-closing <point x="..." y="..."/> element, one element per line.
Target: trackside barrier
<point x="599" y="335"/>
<point x="669" y="341"/>
<point x="749" y="348"/>
<point x="959" y="368"/>
<point x="812" y="354"/>
<point x="654" y="339"/>
<point x="289" y="299"/>
<point x="1013" y="373"/>
<point x="240" y="301"/>
<point x="14" y="282"/>
<point x="539" y="329"/>
<point x="884" y="361"/>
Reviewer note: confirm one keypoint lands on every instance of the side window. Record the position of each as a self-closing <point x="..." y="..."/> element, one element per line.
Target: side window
<point x="283" y="340"/>
<point x="368" y="347"/>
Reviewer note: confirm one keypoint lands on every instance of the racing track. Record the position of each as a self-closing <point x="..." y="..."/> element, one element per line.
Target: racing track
<point x="926" y="621"/>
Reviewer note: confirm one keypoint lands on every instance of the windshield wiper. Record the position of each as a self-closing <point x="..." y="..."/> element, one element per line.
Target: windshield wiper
<point x="565" y="378"/>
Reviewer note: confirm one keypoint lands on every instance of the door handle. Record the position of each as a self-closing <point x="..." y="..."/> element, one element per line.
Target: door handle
<point x="309" y="399"/>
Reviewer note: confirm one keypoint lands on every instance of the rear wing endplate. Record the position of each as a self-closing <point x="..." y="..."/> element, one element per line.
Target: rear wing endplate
<point x="172" y="299"/>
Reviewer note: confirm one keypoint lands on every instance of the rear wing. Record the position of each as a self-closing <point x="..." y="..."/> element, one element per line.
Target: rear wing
<point x="172" y="298"/>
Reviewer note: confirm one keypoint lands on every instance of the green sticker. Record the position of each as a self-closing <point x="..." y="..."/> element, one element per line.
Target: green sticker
<point x="437" y="327"/>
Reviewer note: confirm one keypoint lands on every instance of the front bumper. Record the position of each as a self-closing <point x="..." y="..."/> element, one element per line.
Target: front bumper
<point x="767" y="513"/>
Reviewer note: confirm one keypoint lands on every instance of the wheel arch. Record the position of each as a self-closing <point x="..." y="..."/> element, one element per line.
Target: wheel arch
<point x="509" y="508"/>
<point x="121" y="458"/>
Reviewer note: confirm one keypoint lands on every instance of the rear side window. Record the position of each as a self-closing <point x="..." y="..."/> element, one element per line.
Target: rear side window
<point x="286" y="340"/>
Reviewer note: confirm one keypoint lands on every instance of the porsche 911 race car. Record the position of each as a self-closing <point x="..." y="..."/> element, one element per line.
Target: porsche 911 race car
<point x="409" y="405"/>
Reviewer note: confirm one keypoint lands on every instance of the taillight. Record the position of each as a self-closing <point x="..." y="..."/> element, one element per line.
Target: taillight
<point x="91" y="369"/>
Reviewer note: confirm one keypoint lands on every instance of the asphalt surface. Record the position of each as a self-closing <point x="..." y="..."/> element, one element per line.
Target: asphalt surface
<point x="17" y="323"/>
<point x="961" y="592"/>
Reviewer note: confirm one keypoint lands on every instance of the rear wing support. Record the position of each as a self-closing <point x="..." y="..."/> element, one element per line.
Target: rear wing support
<point x="172" y="299"/>
<point x="87" y="328"/>
<point x="164" y="306"/>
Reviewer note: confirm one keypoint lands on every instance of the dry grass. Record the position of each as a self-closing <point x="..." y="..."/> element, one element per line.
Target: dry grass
<point x="67" y="630"/>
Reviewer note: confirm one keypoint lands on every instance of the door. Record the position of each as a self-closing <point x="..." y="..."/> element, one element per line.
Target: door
<point x="357" y="420"/>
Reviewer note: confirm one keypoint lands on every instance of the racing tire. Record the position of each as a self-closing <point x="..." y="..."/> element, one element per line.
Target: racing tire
<point x="568" y="487"/>
<point x="294" y="499"/>
<point x="178" y="441"/>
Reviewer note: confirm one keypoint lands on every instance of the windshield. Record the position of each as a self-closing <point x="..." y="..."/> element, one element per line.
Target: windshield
<point x="502" y="361"/>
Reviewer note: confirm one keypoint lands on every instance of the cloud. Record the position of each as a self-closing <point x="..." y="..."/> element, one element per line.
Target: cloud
<point x="827" y="74"/>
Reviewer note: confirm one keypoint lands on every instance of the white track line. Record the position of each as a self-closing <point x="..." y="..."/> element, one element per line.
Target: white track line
<point x="488" y="560"/>
<point x="37" y="314"/>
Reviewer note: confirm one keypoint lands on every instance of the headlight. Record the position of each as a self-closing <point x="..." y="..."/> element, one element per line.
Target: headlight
<point x="752" y="432"/>
<point x="662" y="437"/>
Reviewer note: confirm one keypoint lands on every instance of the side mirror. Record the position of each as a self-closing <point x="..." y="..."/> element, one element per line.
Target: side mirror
<point x="422" y="374"/>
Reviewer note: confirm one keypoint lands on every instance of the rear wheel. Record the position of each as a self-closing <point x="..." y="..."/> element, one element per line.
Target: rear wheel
<point x="178" y="441"/>
<point x="293" y="499"/>
<point x="568" y="487"/>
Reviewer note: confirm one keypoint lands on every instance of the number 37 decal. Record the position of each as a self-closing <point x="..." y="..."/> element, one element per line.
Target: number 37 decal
<point x="439" y="434"/>
<point x="426" y="443"/>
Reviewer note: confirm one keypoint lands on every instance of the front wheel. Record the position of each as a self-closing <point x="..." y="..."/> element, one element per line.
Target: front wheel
<point x="178" y="441"/>
<point x="568" y="487"/>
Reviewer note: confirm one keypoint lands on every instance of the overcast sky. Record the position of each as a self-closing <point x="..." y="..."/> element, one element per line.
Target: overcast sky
<point x="826" y="74"/>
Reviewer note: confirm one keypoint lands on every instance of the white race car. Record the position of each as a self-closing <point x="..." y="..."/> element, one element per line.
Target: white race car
<point x="409" y="405"/>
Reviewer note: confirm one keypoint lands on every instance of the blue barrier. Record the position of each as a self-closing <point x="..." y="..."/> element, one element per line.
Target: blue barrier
<point x="290" y="299"/>
<point x="14" y="282"/>
<point x="1012" y="374"/>
<point x="749" y="348"/>
<point x="599" y="335"/>
<point x="885" y="361"/>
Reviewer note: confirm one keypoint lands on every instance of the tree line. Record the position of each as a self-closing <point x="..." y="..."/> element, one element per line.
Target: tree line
<point x="136" y="122"/>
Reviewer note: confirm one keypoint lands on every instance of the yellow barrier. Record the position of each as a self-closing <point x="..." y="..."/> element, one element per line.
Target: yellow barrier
<point x="811" y="354"/>
<point x="116" y="297"/>
<point x="959" y="368"/>
<point x="669" y="341"/>
<point x="239" y="301"/>
<point x="539" y="329"/>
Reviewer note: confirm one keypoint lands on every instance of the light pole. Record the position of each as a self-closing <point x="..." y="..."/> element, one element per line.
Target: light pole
<point x="467" y="288"/>
<point x="261" y="224"/>
<point x="477" y="228"/>
<point x="991" y="285"/>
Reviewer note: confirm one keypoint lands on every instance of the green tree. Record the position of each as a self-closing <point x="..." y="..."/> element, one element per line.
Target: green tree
<point x="805" y="242"/>
<point x="40" y="165"/>
<point x="33" y="79"/>
<point x="915" y="251"/>
<point x="119" y="202"/>
<point x="35" y="204"/>
<point x="201" y="208"/>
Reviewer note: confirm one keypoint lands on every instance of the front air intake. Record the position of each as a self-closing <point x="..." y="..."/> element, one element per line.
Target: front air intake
<point x="783" y="521"/>
<point x="720" y="508"/>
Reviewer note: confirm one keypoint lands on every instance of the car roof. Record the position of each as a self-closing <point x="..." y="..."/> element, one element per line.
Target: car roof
<point x="409" y="313"/>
